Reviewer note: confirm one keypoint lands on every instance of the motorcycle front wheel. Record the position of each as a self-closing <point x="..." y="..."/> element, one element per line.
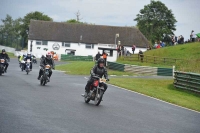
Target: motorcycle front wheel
<point x="87" y="100"/>
<point x="98" y="97"/>
<point x="42" y="81"/>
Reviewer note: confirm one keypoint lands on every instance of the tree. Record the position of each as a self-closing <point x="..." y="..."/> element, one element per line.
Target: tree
<point x="10" y="30"/>
<point x="26" y="21"/>
<point x="74" y="21"/>
<point x="156" y="21"/>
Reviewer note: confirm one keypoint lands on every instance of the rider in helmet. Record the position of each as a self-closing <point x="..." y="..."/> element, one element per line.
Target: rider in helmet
<point x="28" y="57"/>
<point x="97" y="70"/>
<point x="46" y="61"/>
<point x="5" y="56"/>
<point x="42" y="57"/>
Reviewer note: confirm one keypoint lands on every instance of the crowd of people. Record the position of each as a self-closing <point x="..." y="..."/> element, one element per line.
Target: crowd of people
<point x="122" y="51"/>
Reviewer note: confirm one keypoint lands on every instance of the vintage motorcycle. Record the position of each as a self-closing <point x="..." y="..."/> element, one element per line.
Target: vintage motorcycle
<point x="45" y="76"/>
<point x="28" y="64"/>
<point x="34" y="60"/>
<point x="2" y="66"/>
<point x="22" y="65"/>
<point x="96" y="91"/>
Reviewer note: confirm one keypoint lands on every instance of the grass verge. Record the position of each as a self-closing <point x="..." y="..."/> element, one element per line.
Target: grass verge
<point x="162" y="89"/>
<point x="83" y="68"/>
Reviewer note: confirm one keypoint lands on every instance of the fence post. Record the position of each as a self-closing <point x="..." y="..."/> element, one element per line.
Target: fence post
<point x="146" y="59"/>
<point x="173" y="70"/>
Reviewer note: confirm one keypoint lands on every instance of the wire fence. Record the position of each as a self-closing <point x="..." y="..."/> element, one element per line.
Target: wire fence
<point x="181" y="64"/>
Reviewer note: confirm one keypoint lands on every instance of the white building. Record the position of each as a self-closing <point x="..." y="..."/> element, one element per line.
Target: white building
<point x="81" y="39"/>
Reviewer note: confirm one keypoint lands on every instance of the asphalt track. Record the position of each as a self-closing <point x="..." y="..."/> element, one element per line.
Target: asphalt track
<point x="27" y="107"/>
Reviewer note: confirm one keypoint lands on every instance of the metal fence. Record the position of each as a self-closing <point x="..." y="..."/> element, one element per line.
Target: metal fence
<point x="190" y="81"/>
<point x="152" y="59"/>
<point x="76" y="58"/>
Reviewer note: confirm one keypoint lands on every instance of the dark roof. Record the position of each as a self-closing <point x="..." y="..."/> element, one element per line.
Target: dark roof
<point x="65" y="32"/>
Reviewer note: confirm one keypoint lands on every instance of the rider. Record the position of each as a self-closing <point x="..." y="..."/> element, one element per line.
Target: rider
<point x="43" y="57"/>
<point x="46" y="61"/>
<point x="28" y="57"/>
<point x="100" y="71"/>
<point x="5" y="56"/>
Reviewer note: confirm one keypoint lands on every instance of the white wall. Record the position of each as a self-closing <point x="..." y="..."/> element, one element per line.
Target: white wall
<point x="80" y="49"/>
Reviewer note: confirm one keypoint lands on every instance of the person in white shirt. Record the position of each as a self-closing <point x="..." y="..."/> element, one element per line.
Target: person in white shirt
<point x="193" y="36"/>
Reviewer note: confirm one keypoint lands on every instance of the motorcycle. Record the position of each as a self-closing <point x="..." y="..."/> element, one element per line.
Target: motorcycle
<point x="28" y="66"/>
<point x="96" y="91"/>
<point x="22" y="65"/>
<point x="2" y="66"/>
<point x="45" y="76"/>
<point x="34" y="60"/>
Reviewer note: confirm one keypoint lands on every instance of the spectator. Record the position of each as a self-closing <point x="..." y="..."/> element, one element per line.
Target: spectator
<point x="179" y="40"/>
<point x="133" y="48"/>
<point x="158" y="46"/>
<point x="193" y="36"/>
<point x="141" y="55"/>
<point x="119" y="50"/>
<point x="155" y="45"/>
<point x="122" y="50"/>
<point x="172" y="40"/>
<point x="125" y="51"/>
<point x="128" y="53"/>
<point x="182" y="39"/>
<point x="105" y="57"/>
<point x="98" y="55"/>
<point x="162" y="44"/>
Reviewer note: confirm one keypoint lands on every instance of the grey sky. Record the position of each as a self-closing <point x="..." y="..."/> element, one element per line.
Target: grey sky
<point x="105" y="12"/>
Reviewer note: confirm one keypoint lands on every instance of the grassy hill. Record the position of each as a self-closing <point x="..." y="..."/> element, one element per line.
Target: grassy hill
<point x="186" y="51"/>
<point x="190" y="53"/>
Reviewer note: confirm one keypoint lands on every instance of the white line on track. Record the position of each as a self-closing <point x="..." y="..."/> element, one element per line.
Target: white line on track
<point x="151" y="97"/>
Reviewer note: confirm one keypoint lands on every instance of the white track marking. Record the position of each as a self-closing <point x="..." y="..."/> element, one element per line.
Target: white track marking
<point x="151" y="97"/>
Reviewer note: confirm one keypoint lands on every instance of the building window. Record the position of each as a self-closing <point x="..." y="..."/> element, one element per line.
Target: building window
<point x="41" y="42"/>
<point x="89" y="46"/>
<point x="66" y="44"/>
<point x="109" y="52"/>
<point x="38" y="43"/>
<point x="44" y="42"/>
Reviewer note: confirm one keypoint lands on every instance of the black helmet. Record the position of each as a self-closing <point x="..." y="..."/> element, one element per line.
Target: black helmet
<point x="3" y="50"/>
<point x="100" y="60"/>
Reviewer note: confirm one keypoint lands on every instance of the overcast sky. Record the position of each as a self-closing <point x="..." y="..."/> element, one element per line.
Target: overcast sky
<point x="105" y="12"/>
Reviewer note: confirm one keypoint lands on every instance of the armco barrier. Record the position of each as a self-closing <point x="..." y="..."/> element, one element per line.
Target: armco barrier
<point x="190" y="81"/>
<point x="115" y="66"/>
<point x="140" y="70"/>
<point x="76" y="58"/>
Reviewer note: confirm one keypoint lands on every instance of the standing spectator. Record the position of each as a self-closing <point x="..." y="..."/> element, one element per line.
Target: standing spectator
<point x="119" y="50"/>
<point x="141" y="55"/>
<point x="182" y="39"/>
<point x="193" y="36"/>
<point x="176" y="40"/>
<point x="125" y="51"/>
<point x="133" y="48"/>
<point x="122" y="50"/>
<point x="173" y="41"/>
<point x="98" y="55"/>
<point x="105" y="57"/>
